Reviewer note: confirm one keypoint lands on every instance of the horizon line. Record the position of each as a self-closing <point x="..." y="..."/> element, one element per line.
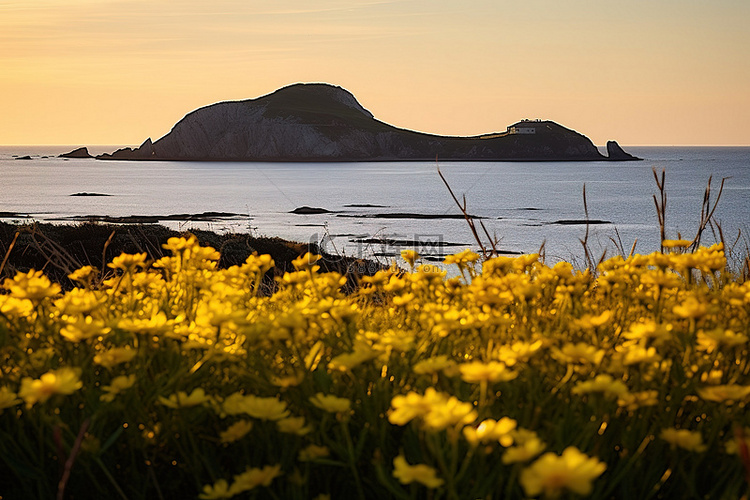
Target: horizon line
<point x="80" y="145"/>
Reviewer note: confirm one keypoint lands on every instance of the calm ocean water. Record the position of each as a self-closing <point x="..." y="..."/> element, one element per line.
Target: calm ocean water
<point x="521" y="202"/>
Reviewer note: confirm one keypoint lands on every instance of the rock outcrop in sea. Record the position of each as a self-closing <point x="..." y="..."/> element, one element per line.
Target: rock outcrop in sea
<point x="322" y="122"/>
<point x="616" y="153"/>
<point x="77" y="153"/>
<point x="143" y="152"/>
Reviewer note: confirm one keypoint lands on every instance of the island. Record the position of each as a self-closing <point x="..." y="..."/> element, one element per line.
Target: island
<point x="77" y="153"/>
<point x="323" y="122"/>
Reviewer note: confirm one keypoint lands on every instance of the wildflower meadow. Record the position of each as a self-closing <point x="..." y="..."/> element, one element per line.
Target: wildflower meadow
<point x="514" y="379"/>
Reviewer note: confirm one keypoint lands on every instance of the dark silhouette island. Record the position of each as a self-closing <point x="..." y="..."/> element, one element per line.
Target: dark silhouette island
<point x="321" y="122"/>
<point x="77" y="153"/>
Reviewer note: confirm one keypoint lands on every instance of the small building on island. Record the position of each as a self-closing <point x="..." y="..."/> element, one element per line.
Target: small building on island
<point x="525" y="127"/>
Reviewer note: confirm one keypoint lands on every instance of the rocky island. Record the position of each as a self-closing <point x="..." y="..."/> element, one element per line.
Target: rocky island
<point x="322" y="122"/>
<point x="77" y="153"/>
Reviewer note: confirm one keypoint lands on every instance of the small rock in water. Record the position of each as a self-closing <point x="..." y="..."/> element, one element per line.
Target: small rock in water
<point x="305" y="210"/>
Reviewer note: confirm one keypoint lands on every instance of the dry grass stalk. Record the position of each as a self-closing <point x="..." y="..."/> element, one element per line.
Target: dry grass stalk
<point x="707" y="211"/>
<point x="661" y="207"/>
<point x="488" y="250"/>
<point x="585" y="240"/>
<point x="542" y="251"/>
<point x="53" y="252"/>
<point x="7" y="254"/>
<point x="68" y="467"/>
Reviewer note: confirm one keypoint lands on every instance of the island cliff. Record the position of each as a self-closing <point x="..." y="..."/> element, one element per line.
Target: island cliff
<point x="77" y="153"/>
<point x="321" y="122"/>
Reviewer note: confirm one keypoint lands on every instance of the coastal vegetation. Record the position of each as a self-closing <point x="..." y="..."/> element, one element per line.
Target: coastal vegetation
<point x="157" y="377"/>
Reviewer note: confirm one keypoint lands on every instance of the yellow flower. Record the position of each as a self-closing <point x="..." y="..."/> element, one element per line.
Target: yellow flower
<point x="637" y="354"/>
<point x="14" y="307"/>
<point x="61" y="381"/>
<point x="236" y="431"/>
<point x="580" y="353"/>
<point x="588" y="321"/>
<point x="128" y="262"/>
<point x="182" y="400"/>
<point x="433" y="365"/>
<point x="649" y="330"/>
<point x="494" y="371"/>
<point x="551" y="474"/>
<point x="624" y="327"/>
<point x="710" y="259"/>
<point x="403" y="299"/>
<point x="187" y="254"/>
<point x="293" y="425"/>
<point x="306" y="262"/>
<point x="691" y="307"/>
<point x="685" y="439"/>
<point x="33" y="286"/>
<point x="115" y="387"/>
<point x="115" y="356"/>
<point x="602" y="383"/>
<point x="427" y="273"/>
<point x="410" y="256"/>
<point x="421" y="473"/>
<point x="218" y="490"/>
<point x="80" y="301"/>
<point x="80" y="328"/>
<point x="712" y="377"/>
<point x="178" y="244"/>
<point x="256" y="407"/>
<point x="347" y="361"/>
<point x="663" y="279"/>
<point x="711" y="340"/>
<point x="154" y="325"/>
<point x="437" y="410"/>
<point x="462" y="258"/>
<point x="313" y="452"/>
<point x="676" y="243"/>
<point x="8" y="398"/>
<point x="635" y="400"/>
<point x="233" y="404"/>
<point x="85" y="275"/>
<point x="406" y="408"/>
<point x="254" y="477"/>
<point x="725" y="393"/>
<point x="519" y="351"/>
<point x="288" y="380"/>
<point x="498" y="265"/>
<point x="390" y="339"/>
<point x="258" y="264"/>
<point x="330" y="403"/>
<point x="492" y="430"/>
<point x="451" y="412"/>
<point x="527" y="445"/>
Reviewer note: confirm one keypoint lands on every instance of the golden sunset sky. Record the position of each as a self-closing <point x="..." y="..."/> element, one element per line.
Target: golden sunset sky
<point x="642" y="72"/>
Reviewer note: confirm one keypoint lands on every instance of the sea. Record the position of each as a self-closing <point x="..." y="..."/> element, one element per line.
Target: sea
<point x="376" y="209"/>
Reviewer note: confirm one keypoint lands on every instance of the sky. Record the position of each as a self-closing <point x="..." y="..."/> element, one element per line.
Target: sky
<point x="642" y="72"/>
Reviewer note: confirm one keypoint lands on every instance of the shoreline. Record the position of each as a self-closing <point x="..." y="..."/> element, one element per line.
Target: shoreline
<point x="59" y="249"/>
